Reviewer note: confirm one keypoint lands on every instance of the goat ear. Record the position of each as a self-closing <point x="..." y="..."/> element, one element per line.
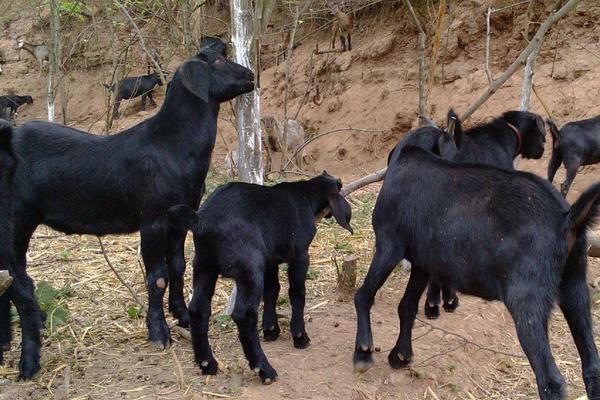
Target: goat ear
<point x="182" y="217"/>
<point x="195" y="78"/>
<point x="341" y="210"/>
<point x="540" y="125"/>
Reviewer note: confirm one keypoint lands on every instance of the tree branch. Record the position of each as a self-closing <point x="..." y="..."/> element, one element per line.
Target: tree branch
<point x="535" y="43"/>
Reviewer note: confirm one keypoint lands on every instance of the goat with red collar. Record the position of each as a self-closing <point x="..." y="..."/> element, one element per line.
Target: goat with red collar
<point x="499" y="141"/>
<point x="496" y="143"/>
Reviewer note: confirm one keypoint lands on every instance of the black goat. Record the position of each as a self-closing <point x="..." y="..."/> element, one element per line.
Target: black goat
<point x="133" y="87"/>
<point x="13" y="102"/>
<point x="214" y="44"/>
<point x="457" y="225"/>
<point x="576" y="144"/>
<point x="244" y="231"/>
<point x="79" y="183"/>
<point x="7" y="259"/>
<point x="495" y="143"/>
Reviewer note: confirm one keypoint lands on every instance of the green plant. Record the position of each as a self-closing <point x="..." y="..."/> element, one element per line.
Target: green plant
<point x="51" y="302"/>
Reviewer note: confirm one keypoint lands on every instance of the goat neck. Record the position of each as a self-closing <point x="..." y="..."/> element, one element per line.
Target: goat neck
<point x="182" y="112"/>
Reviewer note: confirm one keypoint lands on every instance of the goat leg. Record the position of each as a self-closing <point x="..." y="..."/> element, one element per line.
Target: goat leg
<point x="271" y="290"/>
<point x="205" y="279"/>
<point x="297" y="277"/>
<point x="401" y="355"/>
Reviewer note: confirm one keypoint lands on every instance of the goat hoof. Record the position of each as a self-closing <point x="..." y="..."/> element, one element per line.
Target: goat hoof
<point x="398" y="360"/>
<point x="451" y="307"/>
<point x="363" y="360"/>
<point x="432" y="311"/>
<point x="302" y="341"/>
<point x="271" y="334"/>
<point x="209" y="367"/>
<point x="267" y="374"/>
<point x="159" y="334"/>
<point x="28" y="367"/>
<point x="592" y="385"/>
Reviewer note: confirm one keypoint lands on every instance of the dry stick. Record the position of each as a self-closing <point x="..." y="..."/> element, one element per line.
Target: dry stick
<point x="468" y="341"/>
<point x="179" y="369"/>
<point x="541" y="102"/>
<point x="290" y="50"/>
<point x="142" y="43"/>
<point x="535" y="43"/>
<point x="308" y="86"/>
<point x="422" y="63"/>
<point x="488" y="70"/>
<point x="127" y="285"/>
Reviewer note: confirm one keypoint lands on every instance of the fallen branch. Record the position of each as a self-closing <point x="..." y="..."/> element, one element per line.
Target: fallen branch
<point x="468" y="341"/>
<point x="364" y="181"/>
<point x="127" y="285"/>
<point x="535" y="43"/>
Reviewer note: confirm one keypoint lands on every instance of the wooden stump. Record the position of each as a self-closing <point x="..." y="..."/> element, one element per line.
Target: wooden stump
<point x="347" y="278"/>
<point x="594" y="244"/>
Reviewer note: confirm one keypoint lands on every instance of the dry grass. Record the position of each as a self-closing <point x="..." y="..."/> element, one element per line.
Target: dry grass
<point x="104" y="342"/>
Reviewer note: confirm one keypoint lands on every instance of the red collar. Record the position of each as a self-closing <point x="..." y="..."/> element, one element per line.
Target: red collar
<point x="518" y="135"/>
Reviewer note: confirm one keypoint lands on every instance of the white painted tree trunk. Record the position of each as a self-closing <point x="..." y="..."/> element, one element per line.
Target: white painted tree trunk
<point x="247" y="106"/>
<point x="53" y="67"/>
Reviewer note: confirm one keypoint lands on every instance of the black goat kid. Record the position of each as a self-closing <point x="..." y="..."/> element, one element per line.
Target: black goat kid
<point x="576" y="144"/>
<point x="79" y="183"/>
<point x="495" y="143"/>
<point x="244" y="232"/>
<point x="133" y="87"/>
<point x="456" y="224"/>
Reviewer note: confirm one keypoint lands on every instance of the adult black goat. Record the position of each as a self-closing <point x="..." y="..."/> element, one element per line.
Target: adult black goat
<point x="135" y="86"/>
<point x="456" y="224"/>
<point x="576" y="144"/>
<point x="13" y="102"/>
<point x="495" y="143"/>
<point x="244" y="231"/>
<point x="79" y="183"/>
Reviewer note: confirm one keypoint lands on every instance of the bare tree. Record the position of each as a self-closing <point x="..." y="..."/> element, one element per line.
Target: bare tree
<point x="246" y="25"/>
<point x="54" y="72"/>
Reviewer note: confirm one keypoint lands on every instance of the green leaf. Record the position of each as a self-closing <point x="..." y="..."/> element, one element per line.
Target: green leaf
<point x="133" y="312"/>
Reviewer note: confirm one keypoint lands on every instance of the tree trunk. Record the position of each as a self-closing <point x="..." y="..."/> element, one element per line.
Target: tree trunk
<point x="54" y="79"/>
<point x="186" y="15"/>
<point x="347" y="278"/>
<point x="247" y="106"/>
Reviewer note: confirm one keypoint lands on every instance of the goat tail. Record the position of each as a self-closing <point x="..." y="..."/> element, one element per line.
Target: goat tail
<point x="585" y="211"/>
<point x="554" y="132"/>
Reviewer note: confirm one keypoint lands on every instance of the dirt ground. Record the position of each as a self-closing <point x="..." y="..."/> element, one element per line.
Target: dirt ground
<point x="471" y="354"/>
